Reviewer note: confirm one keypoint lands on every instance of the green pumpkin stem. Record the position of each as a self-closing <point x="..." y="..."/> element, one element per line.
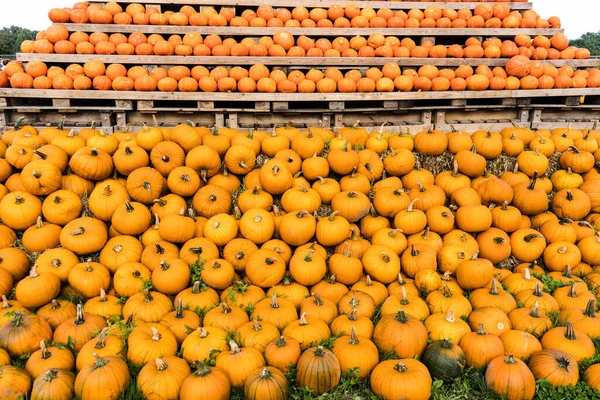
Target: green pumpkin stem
<point x="510" y="359"/>
<point x="148" y="296"/>
<point x="179" y="309"/>
<point x="201" y="369"/>
<point x="401" y="316"/>
<point x="535" y="311"/>
<point x="319" y="351"/>
<point x="481" y="330"/>
<point x="281" y="342"/>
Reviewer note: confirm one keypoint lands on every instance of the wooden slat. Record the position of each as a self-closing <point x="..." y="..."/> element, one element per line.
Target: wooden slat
<point x="252" y="31"/>
<point x="295" y="61"/>
<point x="202" y="96"/>
<point x="394" y="5"/>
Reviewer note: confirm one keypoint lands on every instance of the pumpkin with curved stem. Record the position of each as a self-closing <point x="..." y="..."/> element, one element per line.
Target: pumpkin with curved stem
<point x="307" y="331"/>
<point x="96" y="382"/>
<point x="356" y="352"/>
<point x="19" y="210"/>
<point x="105" y="344"/>
<point x="57" y="311"/>
<point x="199" y="343"/>
<point x="510" y="377"/>
<point x="319" y="308"/>
<point x="46" y="358"/>
<point x="444" y="300"/>
<point x="575" y="343"/>
<point x="84" y="235"/>
<point x="530" y="320"/>
<point x="78" y="330"/>
<point x="149" y="341"/>
<point x="239" y="363"/>
<point x="24" y="333"/>
<point x="180" y="321"/>
<point x="163" y="377"/>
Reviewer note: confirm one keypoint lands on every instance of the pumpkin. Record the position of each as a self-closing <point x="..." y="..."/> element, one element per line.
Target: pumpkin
<point x="267" y="383"/>
<point x="14" y="382"/>
<point x="318" y="369"/>
<point x="96" y="382"/>
<point x="444" y="359"/>
<point x="405" y="377"/>
<point x="510" y="377"/>
<point x="163" y="377"/>
<point x="54" y="383"/>
<point x="206" y="383"/>
<point x="556" y="366"/>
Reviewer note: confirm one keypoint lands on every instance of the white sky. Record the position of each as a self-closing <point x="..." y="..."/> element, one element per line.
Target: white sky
<point x="578" y="16"/>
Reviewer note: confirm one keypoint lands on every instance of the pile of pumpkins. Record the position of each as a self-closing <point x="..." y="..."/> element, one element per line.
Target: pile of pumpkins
<point x="215" y="259"/>
<point x="519" y="73"/>
<point x="336" y="16"/>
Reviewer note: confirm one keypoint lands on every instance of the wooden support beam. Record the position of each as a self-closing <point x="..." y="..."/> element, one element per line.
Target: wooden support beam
<point x="320" y="32"/>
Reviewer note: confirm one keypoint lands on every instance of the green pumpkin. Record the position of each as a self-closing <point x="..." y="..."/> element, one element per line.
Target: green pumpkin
<point x="444" y="359"/>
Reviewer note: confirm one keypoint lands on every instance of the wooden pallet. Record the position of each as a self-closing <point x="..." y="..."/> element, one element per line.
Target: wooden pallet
<point x="292" y="97"/>
<point x="394" y="5"/>
<point x="321" y="32"/>
<point x="298" y="62"/>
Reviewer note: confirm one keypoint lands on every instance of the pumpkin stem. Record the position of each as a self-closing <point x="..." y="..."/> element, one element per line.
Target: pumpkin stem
<point x="274" y="303"/>
<point x="404" y="300"/>
<point x="196" y="287"/>
<point x="527" y="274"/>
<point x="353" y="338"/>
<point x="302" y="213"/>
<point x="538" y="290"/>
<point x="17" y="319"/>
<point x="446" y="291"/>
<point x="570" y="332"/>
<point x="510" y="359"/>
<point x="160" y="365"/>
<point x="100" y="361"/>
<point x="401" y="316"/>
<point x="102" y="295"/>
<point x="480" y="330"/>
<point x="101" y="340"/>
<point x="352" y="315"/>
<point x="450" y="316"/>
<point x="303" y="321"/>
<point x="281" y="342"/>
<point x="308" y="256"/>
<point x="319" y="351"/>
<point x="33" y="271"/>
<point x="533" y="181"/>
<point x="386" y="257"/>
<point x="79" y="318"/>
<point x="413" y="251"/>
<point x="400" y="367"/>
<point x="475" y="255"/>
<point x="590" y="309"/>
<point x="55" y="305"/>
<point x="256" y="327"/>
<point x="531" y="236"/>
<point x="318" y="300"/>
<point x="225" y="309"/>
<point x="411" y="205"/>
<point x="148" y="296"/>
<point x="494" y="289"/>
<point x="78" y="231"/>
<point x="45" y="353"/>
<point x="573" y="291"/>
<point x="5" y="303"/>
<point x="179" y="309"/>
<point x="234" y="347"/>
<point x="535" y="311"/>
<point x="155" y="334"/>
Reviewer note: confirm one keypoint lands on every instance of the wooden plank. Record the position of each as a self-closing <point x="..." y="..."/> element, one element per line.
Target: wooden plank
<point x="298" y="62"/>
<point x="252" y="31"/>
<point x="266" y="97"/>
<point x="394" y="5"/>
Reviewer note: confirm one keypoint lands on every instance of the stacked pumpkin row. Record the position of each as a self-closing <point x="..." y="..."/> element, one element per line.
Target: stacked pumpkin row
<point x="56" y="39"/>
<point x="484" y="15"/>
<point x="393" y="243"/>
<point x="519" y="73"/>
